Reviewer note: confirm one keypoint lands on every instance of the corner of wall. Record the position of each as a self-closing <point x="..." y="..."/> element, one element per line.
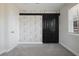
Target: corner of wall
<point x="68" y="48"/>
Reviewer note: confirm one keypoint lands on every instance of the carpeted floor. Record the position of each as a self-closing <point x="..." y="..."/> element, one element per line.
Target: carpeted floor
<point x="39" y="50"/>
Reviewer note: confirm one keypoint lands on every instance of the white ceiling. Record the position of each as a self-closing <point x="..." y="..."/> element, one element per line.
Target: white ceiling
<point x="39" y="6"/>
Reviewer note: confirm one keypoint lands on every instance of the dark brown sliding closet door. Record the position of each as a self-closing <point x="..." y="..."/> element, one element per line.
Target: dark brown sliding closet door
<point x="50" y="29"/>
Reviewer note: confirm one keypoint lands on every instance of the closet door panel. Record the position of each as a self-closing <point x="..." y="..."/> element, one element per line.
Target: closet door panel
<point x="31" y="28"/>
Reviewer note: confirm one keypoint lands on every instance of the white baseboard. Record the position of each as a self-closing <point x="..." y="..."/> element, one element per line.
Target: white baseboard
<point x="30" y="43"/>
<point x="11" y="48"/>
<point x="2" y="52"/>
<point x="74" y="52"/>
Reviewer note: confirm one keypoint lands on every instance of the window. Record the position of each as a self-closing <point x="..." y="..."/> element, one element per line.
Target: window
<point x="76" y="25"/>
<point x="74" y="19"/>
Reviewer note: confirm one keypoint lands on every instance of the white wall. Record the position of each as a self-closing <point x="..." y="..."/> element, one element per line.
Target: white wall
<point x="8" y="24"/>
<point x="2" y="28"/>
<point x="12" y="17"/>
<point x="69" y="41"/>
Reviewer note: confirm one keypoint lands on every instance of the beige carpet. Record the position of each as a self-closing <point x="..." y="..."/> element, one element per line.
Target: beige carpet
<point x="39" y="50"/>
